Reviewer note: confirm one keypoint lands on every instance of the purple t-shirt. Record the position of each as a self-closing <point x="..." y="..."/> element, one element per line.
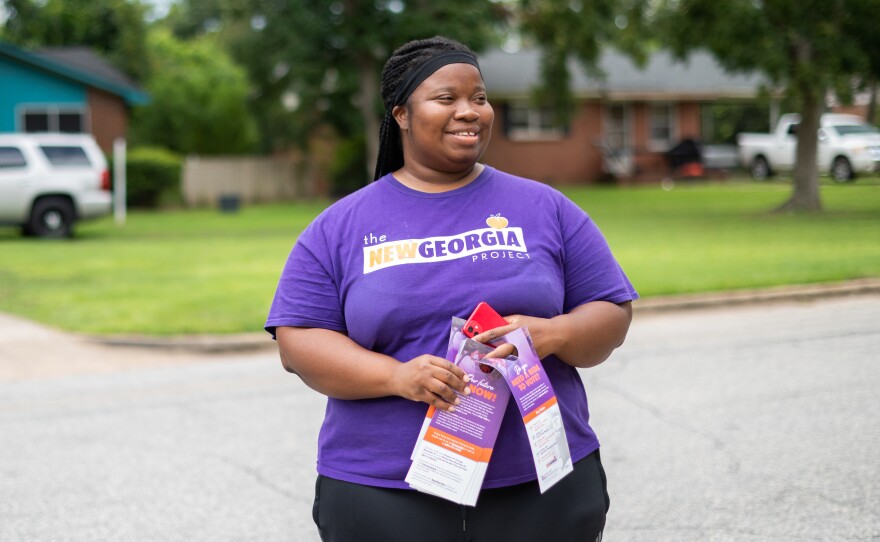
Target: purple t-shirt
<point x="390" y="266"/>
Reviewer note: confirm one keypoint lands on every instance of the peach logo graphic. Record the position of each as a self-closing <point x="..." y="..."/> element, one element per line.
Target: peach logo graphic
<point x="497" y="221"/>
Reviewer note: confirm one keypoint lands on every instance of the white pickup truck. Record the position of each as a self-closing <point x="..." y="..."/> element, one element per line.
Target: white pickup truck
<point x="847" y="146"/>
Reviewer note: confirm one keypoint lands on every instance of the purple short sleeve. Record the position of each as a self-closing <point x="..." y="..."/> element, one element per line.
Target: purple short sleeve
<point x="590" y="269"/>
<point x="307" y="293"/>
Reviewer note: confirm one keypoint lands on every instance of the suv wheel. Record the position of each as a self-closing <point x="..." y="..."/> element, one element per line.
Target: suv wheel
<point x="52" y="218"/>
<point x="841" y="170"/>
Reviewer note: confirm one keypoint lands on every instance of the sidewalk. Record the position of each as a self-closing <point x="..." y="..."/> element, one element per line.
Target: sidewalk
<point x="29" y="350"/>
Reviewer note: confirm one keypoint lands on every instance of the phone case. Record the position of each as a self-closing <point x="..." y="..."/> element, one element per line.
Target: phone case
<point x="482" y="319"/>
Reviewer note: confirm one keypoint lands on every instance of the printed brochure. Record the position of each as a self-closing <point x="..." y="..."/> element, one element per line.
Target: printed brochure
<point x="453" y="449"/>
<point x="537" y="404"/>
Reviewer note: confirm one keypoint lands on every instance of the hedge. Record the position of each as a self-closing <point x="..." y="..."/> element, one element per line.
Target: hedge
<point x="151" y="172"/>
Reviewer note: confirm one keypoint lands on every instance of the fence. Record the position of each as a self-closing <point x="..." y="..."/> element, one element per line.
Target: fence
<point x="249" y="179"/>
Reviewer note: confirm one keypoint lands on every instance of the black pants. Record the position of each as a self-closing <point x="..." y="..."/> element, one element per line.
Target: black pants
<point x="572" y="510"/>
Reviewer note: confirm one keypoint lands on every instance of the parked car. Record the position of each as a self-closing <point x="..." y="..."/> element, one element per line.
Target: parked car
<point x="847" y="146"/>
<point x="48" y="182"/>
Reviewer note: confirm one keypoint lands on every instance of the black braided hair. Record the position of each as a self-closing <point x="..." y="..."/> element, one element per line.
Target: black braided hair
<point x="402" y="60"/>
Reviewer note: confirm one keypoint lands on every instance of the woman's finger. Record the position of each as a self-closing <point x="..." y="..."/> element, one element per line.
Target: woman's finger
<point x="492" y="334"/>
<point x="502" y="351"/>
<point x="444" y="392"/>
<point x="450" y="374"/>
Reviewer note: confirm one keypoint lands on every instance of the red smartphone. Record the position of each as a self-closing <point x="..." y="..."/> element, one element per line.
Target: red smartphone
<point x="482" y="319"/>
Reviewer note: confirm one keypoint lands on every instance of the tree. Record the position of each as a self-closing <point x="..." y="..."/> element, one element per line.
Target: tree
<point x="317" y="62"/>
<point x="114" y="28"/>
<point x="580" y="29"/>
<point x="862" y="23"/>
<point x="806" y="47"/>
<point x="198" y="99"/>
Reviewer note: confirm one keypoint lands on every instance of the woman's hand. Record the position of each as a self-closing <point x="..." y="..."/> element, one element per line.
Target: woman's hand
<point x="542" y="331"/>
<point x="584" y="337"/>
<point x="432" y="380"/>
<point x="333" y="364"/>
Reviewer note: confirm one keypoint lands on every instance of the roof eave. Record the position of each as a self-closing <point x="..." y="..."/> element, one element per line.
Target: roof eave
<point x="129" y="95"/>
<point x="640" y="95"/>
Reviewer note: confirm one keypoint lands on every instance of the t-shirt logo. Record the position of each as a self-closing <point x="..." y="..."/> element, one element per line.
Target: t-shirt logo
<point x="497" y="221"/>
<point x="480" y="244"/>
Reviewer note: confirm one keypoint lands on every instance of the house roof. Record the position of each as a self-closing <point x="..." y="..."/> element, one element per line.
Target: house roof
<point x="81" y="65"/>
<point x="698" y="77"/>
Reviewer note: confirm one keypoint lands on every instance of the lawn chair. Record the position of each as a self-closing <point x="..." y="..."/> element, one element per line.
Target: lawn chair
<point x="618" y="162"/>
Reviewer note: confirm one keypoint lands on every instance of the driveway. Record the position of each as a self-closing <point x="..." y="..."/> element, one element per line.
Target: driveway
<point x="32" y="351"/>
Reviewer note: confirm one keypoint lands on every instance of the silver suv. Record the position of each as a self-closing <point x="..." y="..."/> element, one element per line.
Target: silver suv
<point x="50" y="181"/>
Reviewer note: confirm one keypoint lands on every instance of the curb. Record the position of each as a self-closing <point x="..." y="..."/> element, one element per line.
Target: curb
<point x="212" y="344"/>
<point x="778" y="294"/>
<point x="205" y="344"/>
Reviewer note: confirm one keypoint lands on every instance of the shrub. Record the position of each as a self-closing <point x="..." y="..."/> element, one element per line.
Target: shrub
<point x="152" y="173"/>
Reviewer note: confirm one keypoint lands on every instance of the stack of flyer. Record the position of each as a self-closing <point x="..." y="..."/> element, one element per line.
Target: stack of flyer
<point x="453" y="450"/>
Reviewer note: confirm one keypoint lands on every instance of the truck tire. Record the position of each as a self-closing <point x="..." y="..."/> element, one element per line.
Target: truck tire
<point x="760" y="169"/>
<point x="52" y="218"/>
<point x="841" y="170"/>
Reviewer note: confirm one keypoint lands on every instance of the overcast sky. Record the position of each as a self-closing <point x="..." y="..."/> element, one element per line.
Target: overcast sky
<point x="160" y="7"/>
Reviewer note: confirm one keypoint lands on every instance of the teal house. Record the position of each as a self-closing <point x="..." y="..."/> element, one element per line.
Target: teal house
<point x="68" y="89"/>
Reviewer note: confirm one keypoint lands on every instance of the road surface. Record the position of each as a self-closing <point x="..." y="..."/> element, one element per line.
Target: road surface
<point x="756" y="423"/>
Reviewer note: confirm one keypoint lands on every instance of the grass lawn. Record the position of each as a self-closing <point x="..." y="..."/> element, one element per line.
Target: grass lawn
<point x="201" y="271"/>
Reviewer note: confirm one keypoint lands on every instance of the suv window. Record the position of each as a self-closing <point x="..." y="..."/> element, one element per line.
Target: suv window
<point x="11" y="157"/>
<point x="60" y="155"/>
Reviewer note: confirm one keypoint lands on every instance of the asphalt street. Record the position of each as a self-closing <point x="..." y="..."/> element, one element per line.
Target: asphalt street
<point x="754" y="423"/>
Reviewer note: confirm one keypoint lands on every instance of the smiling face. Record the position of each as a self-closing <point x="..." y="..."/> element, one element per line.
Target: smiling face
<point x="446" y="124"/>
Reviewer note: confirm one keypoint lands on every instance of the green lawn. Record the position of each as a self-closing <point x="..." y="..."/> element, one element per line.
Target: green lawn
<point x="699" y="237"/>
<point x="201" y="271"/>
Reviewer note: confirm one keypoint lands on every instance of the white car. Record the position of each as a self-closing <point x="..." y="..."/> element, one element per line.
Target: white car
<point x="50" y="181"/>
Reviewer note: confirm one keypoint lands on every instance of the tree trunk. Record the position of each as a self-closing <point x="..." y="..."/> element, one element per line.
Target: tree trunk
<point x="805" y="191"/>
<point x="872" y="103"/>
<point x="367" y="97"/>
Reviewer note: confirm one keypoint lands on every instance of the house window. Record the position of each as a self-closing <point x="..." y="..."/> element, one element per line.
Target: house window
<point x="527" y="123"/>
<point x="660" y="127"/>
<point x="69" y="120"/>
<point x="36" y="122"/>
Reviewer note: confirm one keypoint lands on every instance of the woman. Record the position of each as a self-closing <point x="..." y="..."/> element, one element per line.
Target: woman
<point x="363" y="306"/>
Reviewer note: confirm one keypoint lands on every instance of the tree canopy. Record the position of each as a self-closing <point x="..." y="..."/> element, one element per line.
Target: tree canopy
<point x="317" y="62"/>
<point x="806" y="47"/>
<point x="115" y="28"/>
<point x="198" y="99"/>
<point x="579" y="29"/>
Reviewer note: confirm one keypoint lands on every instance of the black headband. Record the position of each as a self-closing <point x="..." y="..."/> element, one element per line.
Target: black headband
<point x="417" y="75"/>
<point x="390" y="155"/>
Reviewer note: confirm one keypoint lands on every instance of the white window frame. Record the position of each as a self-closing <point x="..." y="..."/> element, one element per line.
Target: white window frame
<point x="657" y="144"/>
<point x="53" y="112"/>
<point x="534" y="129"/>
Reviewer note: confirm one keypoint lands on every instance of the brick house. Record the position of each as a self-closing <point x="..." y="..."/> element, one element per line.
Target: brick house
<point x="624" y="125"/>
<point x="68" y="89"/>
